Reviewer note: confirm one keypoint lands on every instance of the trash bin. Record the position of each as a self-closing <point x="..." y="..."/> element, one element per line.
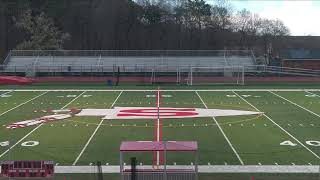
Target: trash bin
<point x="109" y="82"/>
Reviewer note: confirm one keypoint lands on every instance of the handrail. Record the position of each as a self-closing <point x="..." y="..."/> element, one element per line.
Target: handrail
<point x="6" y="60"/>
<point x="253" y="56"/>
<point x="165" y="53"/>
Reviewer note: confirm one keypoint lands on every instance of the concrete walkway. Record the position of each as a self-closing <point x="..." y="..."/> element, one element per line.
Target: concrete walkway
<point x="203" y="169"/>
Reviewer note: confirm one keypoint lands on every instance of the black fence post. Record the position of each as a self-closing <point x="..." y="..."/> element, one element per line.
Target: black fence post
<point x="133" y="168"/>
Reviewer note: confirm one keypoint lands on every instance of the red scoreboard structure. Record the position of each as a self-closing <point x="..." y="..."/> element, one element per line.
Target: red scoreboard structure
<point x="44" y="169"/>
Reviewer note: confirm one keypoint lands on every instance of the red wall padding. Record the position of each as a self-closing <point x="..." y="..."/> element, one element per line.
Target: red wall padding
<point x="14" y="80"/>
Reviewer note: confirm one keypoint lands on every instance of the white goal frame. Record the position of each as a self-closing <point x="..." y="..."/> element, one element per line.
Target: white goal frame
<point x="217" y="75"/>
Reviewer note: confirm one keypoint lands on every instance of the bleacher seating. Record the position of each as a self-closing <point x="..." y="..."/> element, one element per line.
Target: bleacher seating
<point x="49" y="63"/>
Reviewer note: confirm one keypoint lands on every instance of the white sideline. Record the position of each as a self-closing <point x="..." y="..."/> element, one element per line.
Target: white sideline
<point x="279" y="127"/>
<point x="23" y="103"/>
<point x="203" y="169"/>
<point x="153" y="90"/>
<point x="5" y="152"/>
<point x="225" y="136"/>
<point x="94" y="133"/>
<point x="295" y="104"/>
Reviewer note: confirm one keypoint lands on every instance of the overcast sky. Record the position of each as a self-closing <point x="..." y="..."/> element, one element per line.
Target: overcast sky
<point x="301" y="16"/>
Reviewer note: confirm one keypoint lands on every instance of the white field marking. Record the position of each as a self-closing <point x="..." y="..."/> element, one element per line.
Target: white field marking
<point x="23" y="103"/>
<point x="231" y="146"/>
<point x="5" y="93"/>
<point x="94" y="132"/>
<point x="163" y="90"/>
<point x="312" y="93"/>
<point x="37" y="127"/>
<point x="279" y="127"/>
<point x="295" y="104"/>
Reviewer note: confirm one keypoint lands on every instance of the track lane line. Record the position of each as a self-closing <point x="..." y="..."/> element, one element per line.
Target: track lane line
<point x="225" y="136"/>
<point x="295" y="104"/>
<point x="5" y="152"/>
<point x="93" y="134"/>
<point x="279" y="126"/>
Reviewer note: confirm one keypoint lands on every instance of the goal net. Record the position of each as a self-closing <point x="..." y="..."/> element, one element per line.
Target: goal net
<point x="216" y="75"/>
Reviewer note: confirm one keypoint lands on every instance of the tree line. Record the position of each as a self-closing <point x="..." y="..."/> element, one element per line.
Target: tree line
<point x="133" y="24"/>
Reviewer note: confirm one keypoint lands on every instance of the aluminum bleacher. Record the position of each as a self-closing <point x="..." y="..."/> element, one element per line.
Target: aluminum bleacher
<point x="129" y="61"/>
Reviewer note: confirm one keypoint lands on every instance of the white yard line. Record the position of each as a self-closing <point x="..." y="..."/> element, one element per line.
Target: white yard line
<point x="230" y="144"/>
<point x="93" y="134"/>
<point x="152" y="90"/>
<point x="23" y="103"/>
<point x="279" y="126"/>
<point x="295" y="104"/>
<point x="5" y="152"/>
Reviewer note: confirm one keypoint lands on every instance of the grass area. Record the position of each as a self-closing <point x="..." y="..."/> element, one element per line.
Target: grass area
<point x="287" y="133"/>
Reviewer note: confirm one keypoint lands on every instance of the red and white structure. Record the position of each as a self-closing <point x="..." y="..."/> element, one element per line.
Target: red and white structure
<point x="163" y="172"/>
<point x="27" y="169"/>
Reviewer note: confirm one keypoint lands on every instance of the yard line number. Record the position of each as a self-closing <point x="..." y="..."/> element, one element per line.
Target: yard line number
<point x="24" y="144"/>
<point x="310" y="143"/>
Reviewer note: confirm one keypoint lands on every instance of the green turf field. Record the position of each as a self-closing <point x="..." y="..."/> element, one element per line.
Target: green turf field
<point x="286" y="134"/>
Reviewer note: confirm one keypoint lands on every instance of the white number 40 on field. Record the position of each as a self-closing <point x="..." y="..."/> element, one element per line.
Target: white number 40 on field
<point x="25" y="144"/>
<point x="290" y="143"/>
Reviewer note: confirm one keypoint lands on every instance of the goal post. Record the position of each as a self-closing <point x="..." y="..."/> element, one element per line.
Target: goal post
<point x="216" y="75"/>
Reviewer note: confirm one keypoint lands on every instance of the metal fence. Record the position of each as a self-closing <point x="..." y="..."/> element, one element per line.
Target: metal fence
<point x="156" y="53"/>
